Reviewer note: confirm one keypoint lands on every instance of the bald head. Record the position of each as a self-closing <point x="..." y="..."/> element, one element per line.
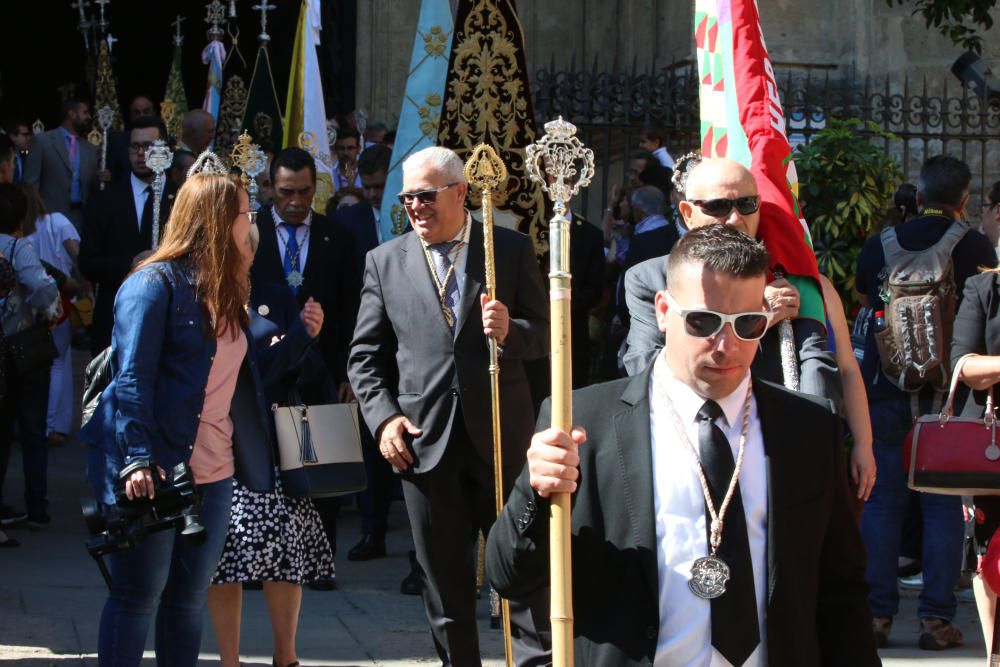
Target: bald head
<point x="720" y="178"/>
<point x="197" y="130"/>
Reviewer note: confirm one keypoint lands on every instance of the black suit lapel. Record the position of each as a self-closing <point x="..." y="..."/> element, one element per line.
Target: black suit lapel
<point x="415" y="266"/>
<point x="319" y="242"/>
<point x="775" y="443"/>
<point x="268" y="257"/>
<point x="635" y="455"/>
<point x="475" y="272"/>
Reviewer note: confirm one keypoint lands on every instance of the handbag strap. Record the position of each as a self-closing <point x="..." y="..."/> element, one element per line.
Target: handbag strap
<point x="947" y="412"/>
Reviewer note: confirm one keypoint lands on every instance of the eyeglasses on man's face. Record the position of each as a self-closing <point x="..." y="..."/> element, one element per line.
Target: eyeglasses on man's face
<point x="425" y="197"/>
<point x="137" y="146"/>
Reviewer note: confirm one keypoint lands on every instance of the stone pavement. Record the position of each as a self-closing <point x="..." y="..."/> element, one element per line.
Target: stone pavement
<point x="51" y="596"/>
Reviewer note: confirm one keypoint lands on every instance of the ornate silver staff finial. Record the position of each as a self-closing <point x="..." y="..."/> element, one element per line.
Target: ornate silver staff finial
<point x="208" y="163"/>
<point x="111" y="39"/>
<point x="38" y="126"/>
<point x="158" y="159"/>
<point x="263" y="7"/>
<point x="251" y="160"/>
<point x="178" y="37"/>
<point x="232" y="9"/>
<point x="215" y="16"/>
<point x="560" y="163"/>
<point x="105" y="118"/>
<point x="331" y="131"/>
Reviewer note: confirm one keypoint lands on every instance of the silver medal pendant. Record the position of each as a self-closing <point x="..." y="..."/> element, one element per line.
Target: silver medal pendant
<point x="708" y="577"/>
<point x="294" y="279"/>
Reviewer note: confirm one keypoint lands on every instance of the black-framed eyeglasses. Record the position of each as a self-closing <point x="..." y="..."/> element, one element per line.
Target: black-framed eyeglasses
<point x="721" y="208"/>
<point x="425" y="197"/>
<point x="704" y="323"/>
<point x="990" y="206"/>
<point x="136" y="146"/>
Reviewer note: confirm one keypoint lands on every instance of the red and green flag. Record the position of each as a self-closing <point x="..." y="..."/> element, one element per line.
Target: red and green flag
<point x="742" y="119"/>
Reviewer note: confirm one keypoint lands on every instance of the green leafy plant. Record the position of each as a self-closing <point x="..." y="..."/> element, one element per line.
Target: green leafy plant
<point x="952" y="18"/>
<point x="846" y="184"/>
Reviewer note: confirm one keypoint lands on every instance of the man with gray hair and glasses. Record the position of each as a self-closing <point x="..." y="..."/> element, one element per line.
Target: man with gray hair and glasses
<point x="419" y="367"/>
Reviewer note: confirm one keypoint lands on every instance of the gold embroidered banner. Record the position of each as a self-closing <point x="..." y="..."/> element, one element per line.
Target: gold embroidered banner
<point x="488" y="99"/>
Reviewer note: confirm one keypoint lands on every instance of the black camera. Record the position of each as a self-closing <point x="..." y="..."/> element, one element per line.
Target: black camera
<point x="126" y="523"/>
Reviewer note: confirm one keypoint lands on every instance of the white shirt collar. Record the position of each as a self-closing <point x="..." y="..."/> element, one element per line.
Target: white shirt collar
<point x="687" y="402"/>
<point x="278" y="221"/>
<point x="138" y="185"/>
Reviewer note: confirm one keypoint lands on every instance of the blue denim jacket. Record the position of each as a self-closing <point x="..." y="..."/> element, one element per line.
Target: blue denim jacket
<point x="160" y="361"/>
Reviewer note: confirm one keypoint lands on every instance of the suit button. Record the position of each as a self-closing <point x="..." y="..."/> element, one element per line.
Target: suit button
<point x="651" y="632"/>
<point x="454" y="392"/>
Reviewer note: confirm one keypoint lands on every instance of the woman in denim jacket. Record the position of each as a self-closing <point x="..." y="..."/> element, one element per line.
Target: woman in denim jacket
<point x="185" y="388"/>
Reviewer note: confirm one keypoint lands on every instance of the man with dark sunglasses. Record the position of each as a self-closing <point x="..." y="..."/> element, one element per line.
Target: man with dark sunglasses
<point x="695" y="540"/>
<point x="723" y="191"/>
<point x="419" y="366"/>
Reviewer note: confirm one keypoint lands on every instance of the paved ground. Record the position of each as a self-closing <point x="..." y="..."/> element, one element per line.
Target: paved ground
<point x="51" y="596"/>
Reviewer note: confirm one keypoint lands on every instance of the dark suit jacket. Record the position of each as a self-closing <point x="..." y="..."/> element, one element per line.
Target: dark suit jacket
<point x="817" y="604"/>
<point x="645" y="246"/>
<point x="818" y="374"/>
<point x="49" y="170"/>
<point x="110" y="240"/>
<point x="329" y="276"/>
<point x="976" y="331"/>
<point x="404" y="359"/>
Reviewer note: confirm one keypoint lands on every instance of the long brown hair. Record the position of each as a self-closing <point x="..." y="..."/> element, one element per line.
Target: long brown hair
<point x="36" y="208"/>
<point x="200" y="229"/>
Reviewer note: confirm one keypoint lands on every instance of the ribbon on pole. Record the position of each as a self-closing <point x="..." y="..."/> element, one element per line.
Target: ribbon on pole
<point x="305" y="111"/>
<point x="421" y="110"/>
<point x="742" y="119"/>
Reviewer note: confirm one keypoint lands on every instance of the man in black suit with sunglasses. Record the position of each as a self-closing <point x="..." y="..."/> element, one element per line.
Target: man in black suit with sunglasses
<point x="720" y="190"/>
<point x="694" y="539"/>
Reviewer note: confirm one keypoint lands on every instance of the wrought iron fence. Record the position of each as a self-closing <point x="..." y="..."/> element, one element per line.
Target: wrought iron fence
<point x="926" y="119"/>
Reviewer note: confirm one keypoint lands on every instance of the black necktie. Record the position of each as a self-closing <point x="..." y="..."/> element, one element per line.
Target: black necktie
<point x="146" y="222"/>
<point x="735" y="629"/>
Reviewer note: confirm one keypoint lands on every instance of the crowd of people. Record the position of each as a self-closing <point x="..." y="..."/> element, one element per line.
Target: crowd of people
<point x="689" y="452"/>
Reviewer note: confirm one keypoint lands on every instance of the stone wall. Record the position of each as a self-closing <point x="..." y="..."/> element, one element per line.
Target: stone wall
<point x="844" y="37"/>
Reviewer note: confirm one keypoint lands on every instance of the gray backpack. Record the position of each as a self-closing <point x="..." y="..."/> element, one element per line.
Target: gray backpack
<point x="920" y="301"/>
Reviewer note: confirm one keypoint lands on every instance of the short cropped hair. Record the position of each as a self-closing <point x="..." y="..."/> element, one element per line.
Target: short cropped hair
<point x="146" y="122"/>
<point x="375" y="159"/>
<point x="944" y="182"/>
<point x="720" y="248"/>
<point x="655" y="133"/>
<point x="72" y="104"/>
<point x="348" y="133"/>
<point x="293" y="159"/>
<point x="650" y="199"/>
<point x="440" y="159"/>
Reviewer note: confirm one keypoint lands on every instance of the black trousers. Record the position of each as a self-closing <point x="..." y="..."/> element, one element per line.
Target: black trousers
<point x="448" y="507"/>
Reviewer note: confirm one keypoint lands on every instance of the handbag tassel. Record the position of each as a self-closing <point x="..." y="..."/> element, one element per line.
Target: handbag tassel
<point x="307" y="451"/>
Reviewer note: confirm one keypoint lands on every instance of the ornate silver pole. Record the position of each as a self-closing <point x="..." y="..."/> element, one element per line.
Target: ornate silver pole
<point x="159" y="159"/>
<point x="105" y="117"/>
<point x="789" y="351"/>
<point x="263" y="7"/>
<point x="561" y="164"/>
<point x="85" y="24"/>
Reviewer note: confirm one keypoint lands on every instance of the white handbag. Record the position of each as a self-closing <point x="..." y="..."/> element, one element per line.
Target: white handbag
<point x="319" y="449"/>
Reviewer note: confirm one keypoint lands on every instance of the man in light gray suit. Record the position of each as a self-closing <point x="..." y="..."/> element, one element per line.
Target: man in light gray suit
<point x="63" y="165"/>
<point x="712" y="186"/>
<point x="419" y="367"/>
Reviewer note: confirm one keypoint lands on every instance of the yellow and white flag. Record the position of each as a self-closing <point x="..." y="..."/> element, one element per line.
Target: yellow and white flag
<point x="305" y="113"/>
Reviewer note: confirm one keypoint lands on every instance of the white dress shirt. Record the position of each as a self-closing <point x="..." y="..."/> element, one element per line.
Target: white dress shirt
<point x="139" y="196"/>
<point x="664" y="157"/>
<point x="301" y="236"/>
<point x="685" y="635"/>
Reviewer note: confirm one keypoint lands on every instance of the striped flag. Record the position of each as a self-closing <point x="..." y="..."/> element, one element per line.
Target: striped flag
<point x="213" y="55"/>
<point x="421" y="112"/>
<point x="305" y="112"/>
<point x="742" y="119"/>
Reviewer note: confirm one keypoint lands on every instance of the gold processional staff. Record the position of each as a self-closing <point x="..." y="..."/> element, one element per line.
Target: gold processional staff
<point x="562" y="165"/>
<point x="486" y="171"/>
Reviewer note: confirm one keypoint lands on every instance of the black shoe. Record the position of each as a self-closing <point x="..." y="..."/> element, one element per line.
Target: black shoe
<point x="10" y="516"/>
<point x="323" y="585"/>
<point x="413" y="584"/>
<point x="38" y="520"/>
<point x="369" y="548"/>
